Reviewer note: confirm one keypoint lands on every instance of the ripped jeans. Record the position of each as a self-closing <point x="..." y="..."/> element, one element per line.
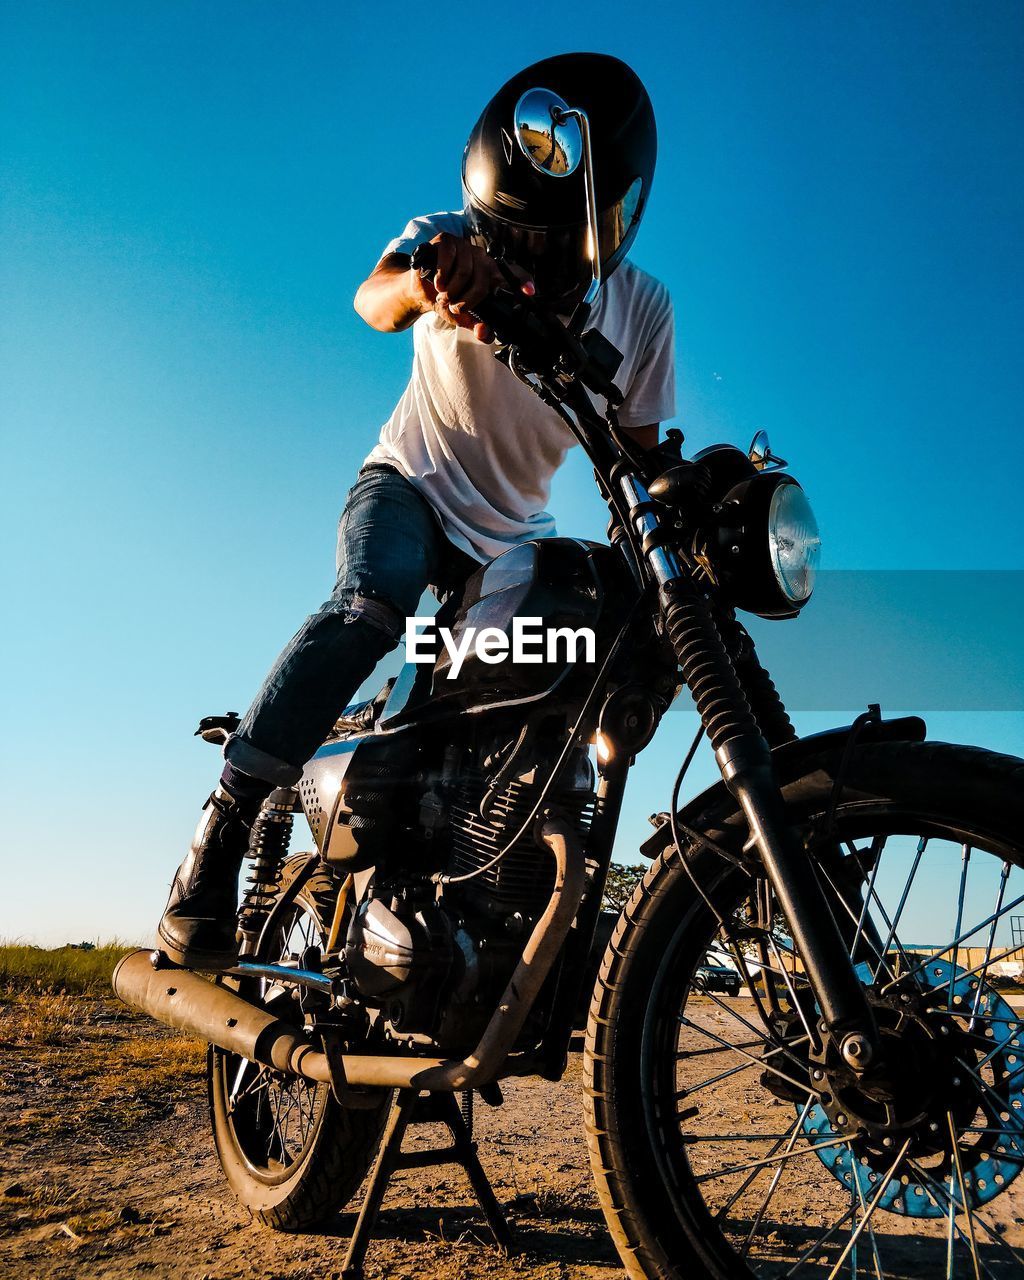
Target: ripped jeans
<point x="391" y="547"/>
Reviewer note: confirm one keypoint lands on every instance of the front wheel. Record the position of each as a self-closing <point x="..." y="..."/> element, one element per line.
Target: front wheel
<point x="726" y="1138"/>
<point x="290" y="1152"/>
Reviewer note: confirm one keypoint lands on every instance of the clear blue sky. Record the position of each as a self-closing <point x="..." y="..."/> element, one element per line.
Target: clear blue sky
<point x="192" y="193"/>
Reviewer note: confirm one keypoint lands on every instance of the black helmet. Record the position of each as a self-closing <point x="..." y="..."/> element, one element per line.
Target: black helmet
<point x="525" y="192"/>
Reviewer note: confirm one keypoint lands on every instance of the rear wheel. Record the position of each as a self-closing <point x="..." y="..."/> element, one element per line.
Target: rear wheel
<point x="727" y="1141"/>
<point x="291" y="1154"/>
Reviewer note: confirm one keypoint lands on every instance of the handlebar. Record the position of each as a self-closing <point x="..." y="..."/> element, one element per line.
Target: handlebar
<point x="543" y="344"/>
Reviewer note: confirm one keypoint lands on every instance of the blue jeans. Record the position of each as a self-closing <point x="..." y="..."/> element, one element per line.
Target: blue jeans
<point x="391" y="547"/>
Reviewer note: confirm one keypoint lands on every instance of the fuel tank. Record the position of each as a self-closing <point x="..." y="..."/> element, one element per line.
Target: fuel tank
<point x="563" y="582"/>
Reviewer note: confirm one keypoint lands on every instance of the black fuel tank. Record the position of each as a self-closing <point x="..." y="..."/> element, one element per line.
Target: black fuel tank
<point x="563" y="582"/>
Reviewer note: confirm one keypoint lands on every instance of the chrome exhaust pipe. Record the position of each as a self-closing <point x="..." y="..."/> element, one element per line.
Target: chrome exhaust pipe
<point x="188" y="1002"/>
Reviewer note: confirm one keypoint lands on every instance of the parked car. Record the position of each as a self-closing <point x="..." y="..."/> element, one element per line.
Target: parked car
<point x="712" y="976"/>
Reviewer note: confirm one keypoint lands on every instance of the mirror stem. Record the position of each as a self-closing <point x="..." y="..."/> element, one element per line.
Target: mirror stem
<point x="594" y="247"/>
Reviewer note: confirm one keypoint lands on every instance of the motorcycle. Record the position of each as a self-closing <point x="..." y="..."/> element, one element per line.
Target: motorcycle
<point x="847" y="1099"/>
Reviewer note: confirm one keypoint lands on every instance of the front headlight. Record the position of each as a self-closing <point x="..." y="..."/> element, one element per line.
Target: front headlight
<point x="768" y="545"/>
<point x="793" y="542"/>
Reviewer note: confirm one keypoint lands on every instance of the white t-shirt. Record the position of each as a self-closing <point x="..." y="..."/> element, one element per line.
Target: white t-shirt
<point x="479" y="445"/>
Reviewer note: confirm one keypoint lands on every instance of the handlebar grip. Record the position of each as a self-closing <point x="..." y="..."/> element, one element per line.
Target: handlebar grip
<point x="424" y="259"/>
<point x="490" y="309"/>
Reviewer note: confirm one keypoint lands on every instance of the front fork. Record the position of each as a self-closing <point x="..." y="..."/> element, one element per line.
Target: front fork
<point x="745" y="761"/>
<point x="747" y="770"/>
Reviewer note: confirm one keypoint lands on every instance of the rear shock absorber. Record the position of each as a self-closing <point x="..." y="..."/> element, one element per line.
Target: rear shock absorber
<point x="268" y="848"/>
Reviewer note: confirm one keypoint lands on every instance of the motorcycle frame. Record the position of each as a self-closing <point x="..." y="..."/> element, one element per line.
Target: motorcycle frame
<point x="640" y="533"/>
<point x="565" y="982"/>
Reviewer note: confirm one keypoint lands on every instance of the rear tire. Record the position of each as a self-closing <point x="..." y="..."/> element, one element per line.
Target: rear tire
<point x="300" y="1180"/>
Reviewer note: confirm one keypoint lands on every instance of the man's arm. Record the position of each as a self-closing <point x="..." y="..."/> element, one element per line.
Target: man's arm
<point x="645" y="437"/>
<point x="650" y="395"/>
<point x="394" y="296"/>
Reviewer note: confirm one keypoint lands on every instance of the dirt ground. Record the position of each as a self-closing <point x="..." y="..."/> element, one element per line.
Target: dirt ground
<point x="107" y="1169"/>
<point x="131" y="1186"/>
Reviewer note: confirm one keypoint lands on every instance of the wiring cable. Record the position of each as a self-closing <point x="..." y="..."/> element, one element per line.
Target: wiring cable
<point x="679" y="827"/>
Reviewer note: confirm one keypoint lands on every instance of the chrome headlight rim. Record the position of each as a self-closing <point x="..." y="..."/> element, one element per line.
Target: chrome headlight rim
<point x="804" y="565"/>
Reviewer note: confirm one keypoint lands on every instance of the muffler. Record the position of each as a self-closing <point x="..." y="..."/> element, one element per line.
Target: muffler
<point x="188" y="1002"/>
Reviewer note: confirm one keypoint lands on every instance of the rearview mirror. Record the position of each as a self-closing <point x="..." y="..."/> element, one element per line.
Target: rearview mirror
<point x="555" y="138"/>
<point x="760" y="454"/>
<point x="547" y="135"/>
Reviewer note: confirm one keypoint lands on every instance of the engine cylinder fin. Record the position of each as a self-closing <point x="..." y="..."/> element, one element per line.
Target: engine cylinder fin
<point x="522" y="880"/>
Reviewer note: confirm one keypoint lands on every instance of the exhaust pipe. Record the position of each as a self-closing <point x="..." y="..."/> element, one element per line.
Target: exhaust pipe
<point x="184" y="1000"/>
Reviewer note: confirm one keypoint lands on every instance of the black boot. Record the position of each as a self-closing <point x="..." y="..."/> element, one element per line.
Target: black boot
<point x="197" y="929"/>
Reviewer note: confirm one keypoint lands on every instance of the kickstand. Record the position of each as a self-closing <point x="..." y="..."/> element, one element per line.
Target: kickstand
<point x="411" y="1107"/>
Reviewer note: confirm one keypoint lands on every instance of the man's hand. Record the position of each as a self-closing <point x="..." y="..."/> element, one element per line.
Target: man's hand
<point x="465" y="275"/>
<point x="394" y="295"/>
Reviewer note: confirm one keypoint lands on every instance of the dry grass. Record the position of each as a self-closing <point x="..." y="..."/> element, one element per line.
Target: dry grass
<point x="37" y="1205"/>
<point x="125" y="1069"/>
<point x="28" y="1021"/>
<point x="49" y="997"/>
<point x="59" y="970"/>
<point x="58" y="1016"/>
<point x="142" y="1079"/>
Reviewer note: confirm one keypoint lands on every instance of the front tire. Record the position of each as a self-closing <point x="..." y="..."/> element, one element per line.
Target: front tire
<point x="666" y="1204"/>
<point x="291" y="1154"/>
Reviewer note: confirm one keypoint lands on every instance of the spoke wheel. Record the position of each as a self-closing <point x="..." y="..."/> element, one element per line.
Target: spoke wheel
<point x="728" y="1135"/>
<point x="290" y="1152"/>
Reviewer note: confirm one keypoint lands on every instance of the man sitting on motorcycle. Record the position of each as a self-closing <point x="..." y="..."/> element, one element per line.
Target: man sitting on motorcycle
<point x="463" y="466"/>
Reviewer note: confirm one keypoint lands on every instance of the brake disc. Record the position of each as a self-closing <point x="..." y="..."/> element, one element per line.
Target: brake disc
<point x="990" y="1147"/>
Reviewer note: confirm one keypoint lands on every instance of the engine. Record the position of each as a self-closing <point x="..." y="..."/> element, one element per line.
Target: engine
<point x="434" y="960"/>
<point x="483" y="822"/>
<point x="424" y="784"/>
